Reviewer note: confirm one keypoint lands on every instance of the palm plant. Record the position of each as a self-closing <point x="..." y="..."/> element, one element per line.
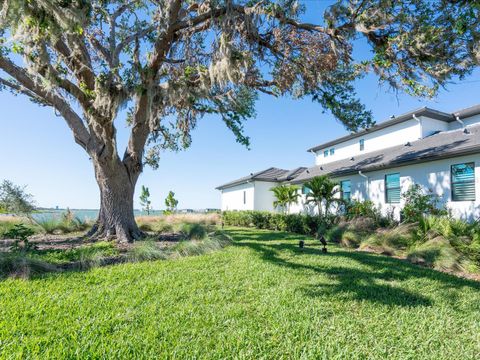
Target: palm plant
<point x="322" y="191"/>
<point x="285" y="195"/>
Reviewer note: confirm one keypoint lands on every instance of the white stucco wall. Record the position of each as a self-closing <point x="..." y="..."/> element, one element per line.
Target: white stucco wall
<point x="232" y="198"/>
<point x="257" y="194"/>
<point x="397" y="134"/>
<point x="467" y="121"/>
<point x="264" y="198"/>
<point x="430" y="126"/>
<point x="434" y="176"/>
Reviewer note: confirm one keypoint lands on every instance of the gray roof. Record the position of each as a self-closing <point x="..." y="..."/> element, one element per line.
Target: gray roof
<point x="439" y="146"/>
<point x="271" y="174"/>
<point x="424" y="111"/>
<point x="467" y="112"/>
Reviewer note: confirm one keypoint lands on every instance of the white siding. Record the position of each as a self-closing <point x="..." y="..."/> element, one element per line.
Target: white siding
<point x="467" y="121"/>
<point x="397" y="134"/>
<point x="264" y="198"/>
<point x="434" y="176"/>
<point x="430" y="126"/>
<point x="232" y="198"/>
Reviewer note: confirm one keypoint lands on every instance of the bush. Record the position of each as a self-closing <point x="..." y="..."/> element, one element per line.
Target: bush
<point x="296" y="223"/>
<point x="146" y="250"/>
<point x="20" y="233"/>
<point x="194" y="231"/>
<point x="439" y="254"/>
<point x="211" y="243"/>
<point x="365" y="209"/>
<point x="21" y="265"/>
<point x="419" y="204"/>
<point x="66" y="224"/>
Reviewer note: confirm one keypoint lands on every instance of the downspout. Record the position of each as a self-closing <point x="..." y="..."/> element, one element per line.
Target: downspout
<point x="366" y="181"/>
<point x="464" y="127"/>
<point x="420" y="123"/>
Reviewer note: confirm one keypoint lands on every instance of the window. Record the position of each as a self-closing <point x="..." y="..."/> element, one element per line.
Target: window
<point x="332" y="151"/>
<point x="325" y="153"/>
<point x="463" y="182"/>
<point x="244" y="197"/>
<point x="392" y="188"/>
<point x="305" y="190"/>
<point x="345" y="189"/>
<point x="362" y="144"/>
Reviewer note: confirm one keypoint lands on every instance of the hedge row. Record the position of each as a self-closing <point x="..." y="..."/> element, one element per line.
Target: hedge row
<point x="295" y="223"/>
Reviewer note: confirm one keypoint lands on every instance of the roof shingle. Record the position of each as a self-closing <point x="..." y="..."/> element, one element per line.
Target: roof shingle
<point x="442" y="145"/>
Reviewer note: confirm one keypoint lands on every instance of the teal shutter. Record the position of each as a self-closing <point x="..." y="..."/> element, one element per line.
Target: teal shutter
<point x="463" y="182"/>
<point x="392" y="188"/>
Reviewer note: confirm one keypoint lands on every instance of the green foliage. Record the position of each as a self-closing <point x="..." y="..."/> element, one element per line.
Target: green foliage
<point x="419" y="204"/>
<point x="145" y="199"/>
<point x="82" y="258"/>
<point x="296" y="223"/>
<point x="146" y="250"/>
<point x="323" y="193"/>
<point x="435" y="241"/>
<point x="196" y="243"/>
<point x="20" y="233"/>
<point x="22" y="265"/>
<point x="67" y="223"/>
<point x="285" y="196"/>
<point x="194" y="231"/>
<point x="14" y="199"/>
<point x="171" y="203"/>
<point x="365" y="208"/>
<point x="213" y="242"/>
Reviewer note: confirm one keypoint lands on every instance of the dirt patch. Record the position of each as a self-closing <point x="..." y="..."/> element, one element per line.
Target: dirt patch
<point x="67" y="242"/>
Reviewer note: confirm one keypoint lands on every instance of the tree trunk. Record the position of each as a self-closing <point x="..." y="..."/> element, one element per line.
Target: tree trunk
<point x="117" y="186"/>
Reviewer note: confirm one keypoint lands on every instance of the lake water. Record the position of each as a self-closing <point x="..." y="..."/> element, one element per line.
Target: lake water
<point x="82" y="214"/>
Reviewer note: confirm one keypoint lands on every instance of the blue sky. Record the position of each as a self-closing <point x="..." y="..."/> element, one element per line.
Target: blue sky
<point x="37" y="149"/>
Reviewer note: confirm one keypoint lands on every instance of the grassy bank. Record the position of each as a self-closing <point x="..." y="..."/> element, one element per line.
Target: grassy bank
<point x="263" y="297"/>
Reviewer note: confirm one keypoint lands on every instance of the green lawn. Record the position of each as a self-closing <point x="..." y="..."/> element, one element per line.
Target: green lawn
<point x="263" y="297"/>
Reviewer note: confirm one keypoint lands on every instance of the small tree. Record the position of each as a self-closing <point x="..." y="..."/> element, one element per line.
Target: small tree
<point x="14" y="199"/>
<point x="145" y="199"/>
<point x="285" y="195"/>
<point x="419" y="203"/>
<point x="323" y="191"/>
<point x="171" y="203"/>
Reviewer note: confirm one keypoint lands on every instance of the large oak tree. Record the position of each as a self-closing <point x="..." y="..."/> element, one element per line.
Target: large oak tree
<point x="170" y="62"/>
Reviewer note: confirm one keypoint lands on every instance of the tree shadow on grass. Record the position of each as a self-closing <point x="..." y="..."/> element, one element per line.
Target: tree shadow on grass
<point x="370" y="277"/>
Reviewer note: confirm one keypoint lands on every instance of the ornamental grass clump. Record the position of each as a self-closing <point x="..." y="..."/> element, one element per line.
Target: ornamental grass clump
<point x="22" y="265"/>
<point x="146" y="250"/>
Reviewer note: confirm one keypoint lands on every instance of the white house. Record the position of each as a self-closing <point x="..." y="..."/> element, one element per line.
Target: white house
<point x="438" y="150"/>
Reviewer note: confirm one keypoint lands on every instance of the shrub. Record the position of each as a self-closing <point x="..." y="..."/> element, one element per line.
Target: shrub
<point x="20" y="233"/>
<point x="146" y="250"/>
<point x="211" y="243"/>
<point x="366" y="209"/>
<point x="194" y="231"/>
<point x="21" y="265"/>
<point x="296" y="223"/>
<point x="419" y="204"/>
<point x="66" y="224"/>
<point x="439" y="254"/>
